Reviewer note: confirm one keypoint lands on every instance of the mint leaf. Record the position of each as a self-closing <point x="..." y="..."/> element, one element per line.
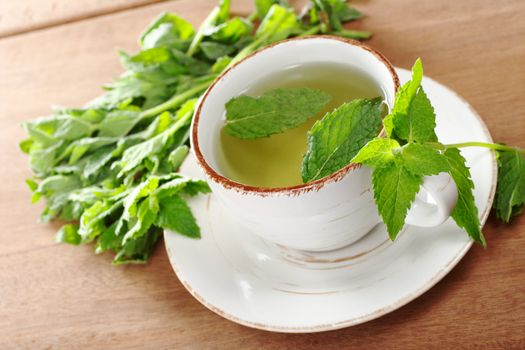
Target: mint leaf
<point x="510" y="193"/>
<point x="423" y="159"/>
<point x="137" y="251"/>
<point x="397" y="176"/>
<point x="465" y="213"/>
<point x="377" y="152"/>
<point x="135" y="155"/>
<point x="395" y="189"/>
<point x="230" y="31"/>
<point x="332" y="13"/>
<point x="334" y="140"/>
<point x="278" y="24"/>
<point x="68" y="234"/>
<point x="140" y="224"/>
<point x="175" y="215"/>
<point x="214" y="51"/>
<point x="224" y="11"/>
<point x="412" y="117"/>
<point x="167" y="30"/>
<point x="263" y="6"/>
<point x="272" y="113"/>
<point x="118" y="123"/>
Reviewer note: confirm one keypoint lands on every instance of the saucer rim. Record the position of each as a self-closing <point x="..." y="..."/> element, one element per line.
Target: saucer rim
<point x="380" y="312"/>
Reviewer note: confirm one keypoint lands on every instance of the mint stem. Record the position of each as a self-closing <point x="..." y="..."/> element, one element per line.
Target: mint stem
<point x="253" y="17"/>
<point x="176" y="100"/>
<point x="210" y="20"/>
<point x="493" y="146"/>
<point x="312" y="31"/>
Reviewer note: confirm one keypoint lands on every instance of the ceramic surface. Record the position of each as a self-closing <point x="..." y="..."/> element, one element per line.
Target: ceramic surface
<point x="264" y="285"/>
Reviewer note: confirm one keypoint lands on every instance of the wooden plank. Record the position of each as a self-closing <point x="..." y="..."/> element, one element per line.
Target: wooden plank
<point x="22" y="16"/>
<point x="57" y="296"/>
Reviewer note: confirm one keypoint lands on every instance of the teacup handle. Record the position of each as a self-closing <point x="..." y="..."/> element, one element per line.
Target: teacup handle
<point x="434" y="202"/>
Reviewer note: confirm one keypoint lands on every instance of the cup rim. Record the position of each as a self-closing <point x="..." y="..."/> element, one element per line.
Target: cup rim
<point x="289" y="190"/>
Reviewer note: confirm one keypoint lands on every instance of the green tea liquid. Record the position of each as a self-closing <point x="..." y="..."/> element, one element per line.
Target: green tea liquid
<point x="275" y="161"/>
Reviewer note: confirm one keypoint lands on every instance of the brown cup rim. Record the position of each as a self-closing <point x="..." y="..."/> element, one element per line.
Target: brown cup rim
<point x="290" y="190"/>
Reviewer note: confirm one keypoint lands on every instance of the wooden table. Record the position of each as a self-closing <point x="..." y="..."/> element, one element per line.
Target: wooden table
<point x="58" y="296"/>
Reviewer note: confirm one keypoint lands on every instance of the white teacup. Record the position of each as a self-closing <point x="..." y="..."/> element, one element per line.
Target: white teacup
<point x="326" y="214"/>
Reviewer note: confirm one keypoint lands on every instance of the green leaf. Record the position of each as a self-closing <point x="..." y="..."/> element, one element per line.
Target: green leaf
<point x="176" y="215"/>
<point x="41" y="132"/>
<point x="92" y="219"/>
<point x="397" y="176"/>
<point x="224" y="11"/>
<point x="71" y="128"/>
<point x="278" y="24"/>
<point x="139" y="192"/>
<point x="334" y="140"/>
<point x="79" y="148"/>
<point x="182" y="184"/>
<point x="263" y="6"/>
<point x="25" y="145"/>
<point x="377" y="152"/>
<point x="465" y="213"/>
<point x="510" y="193"/>
<point x="108" y="240"/>
<point x="423" y="159"/>
<point x="118" y="123"/>
<point x="209" y="22"/>
<point x="32" y="184"/>
<point x="213" y="50"/>
<point x="167" y="30"/>
<point x="231" y="31"/>
<point x="134" y="155"/>
<point x="68" y="234"/>
<point x="272" y="113"/>
<point x="42" y="160"/>
<point x="96" y="161"/>
<point x="395" y="188"/>
<point x="138" y="251"/>
<point x="142" y="222"/>
<point x="221" y="64"/>
<point x="333" y="13"/>
<point x="177" y="156"/>
<point x="413" y="117"/>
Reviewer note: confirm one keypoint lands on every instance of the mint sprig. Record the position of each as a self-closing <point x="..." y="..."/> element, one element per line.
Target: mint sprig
<point x="411" y="150"/>
<point x="411" y="124"/>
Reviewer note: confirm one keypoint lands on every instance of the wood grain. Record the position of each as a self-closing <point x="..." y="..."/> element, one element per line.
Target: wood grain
<point x="20" y="16"/>
<point x="62" y="297"/>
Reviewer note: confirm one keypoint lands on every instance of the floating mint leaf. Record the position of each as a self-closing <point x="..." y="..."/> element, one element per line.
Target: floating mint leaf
<point x="272" y="113"/>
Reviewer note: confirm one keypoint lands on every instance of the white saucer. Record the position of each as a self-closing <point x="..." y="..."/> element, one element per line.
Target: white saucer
<point x="258" y="284"/>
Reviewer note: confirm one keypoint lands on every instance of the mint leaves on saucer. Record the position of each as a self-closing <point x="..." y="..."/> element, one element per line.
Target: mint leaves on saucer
<point x="274" y="112"/>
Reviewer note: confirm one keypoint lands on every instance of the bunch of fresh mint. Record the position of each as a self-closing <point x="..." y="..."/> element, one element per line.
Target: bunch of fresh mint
<point x="110" y="168"/>
<point x="400" y="161"/>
